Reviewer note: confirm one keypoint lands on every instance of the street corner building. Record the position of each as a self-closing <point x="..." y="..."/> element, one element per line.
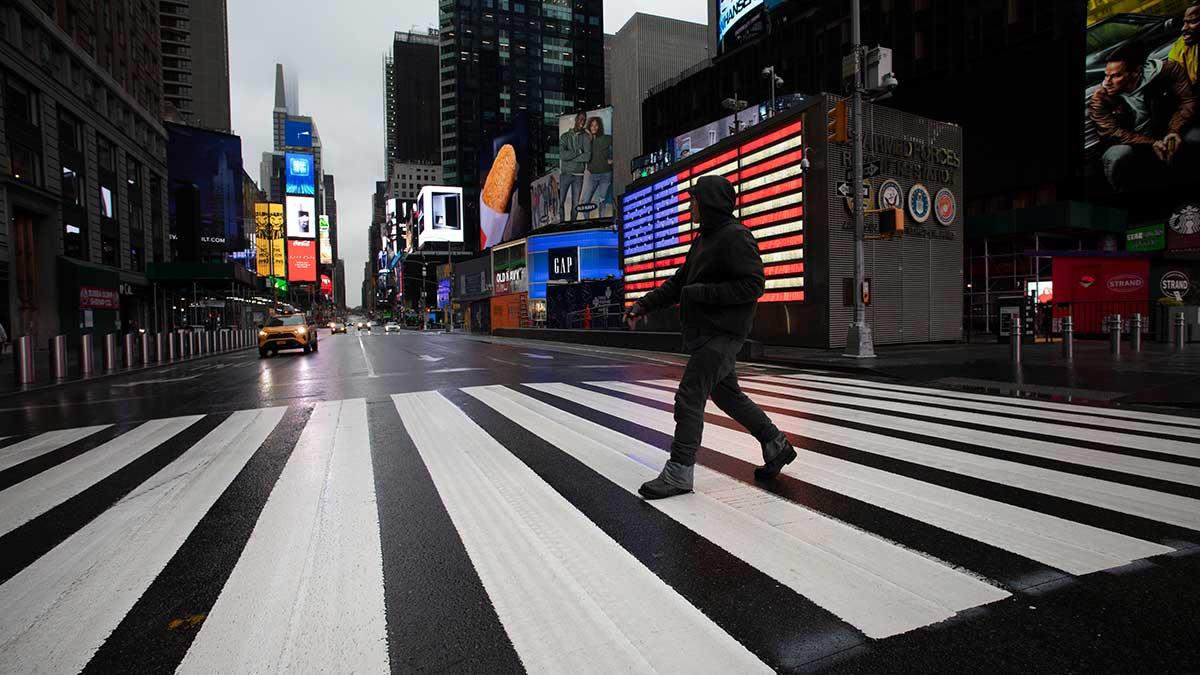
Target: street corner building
<point x="801" y="214"/>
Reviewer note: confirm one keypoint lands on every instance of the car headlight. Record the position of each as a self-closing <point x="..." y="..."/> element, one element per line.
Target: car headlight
<point x="262" y="333"/>
<point x="301" y="330"/>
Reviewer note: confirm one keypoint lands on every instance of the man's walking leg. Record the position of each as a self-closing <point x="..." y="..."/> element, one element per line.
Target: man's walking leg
<point x="776" y="449"/>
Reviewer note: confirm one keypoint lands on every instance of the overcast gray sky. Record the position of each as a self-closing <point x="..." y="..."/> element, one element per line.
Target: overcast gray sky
<point x="336" y="49"/>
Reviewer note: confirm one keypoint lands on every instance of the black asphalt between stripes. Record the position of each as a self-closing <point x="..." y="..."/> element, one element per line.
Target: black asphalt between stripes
<point x="781" y="627"/>
<point x="1047" y="416"/>
<point x="1032" y="435"/>
<point x="439" y="616"/>
<point x="1013" y="571"/>
<point x="32" y="467"/>
<point x="32" y="540"/>
<point x="1090" y="409"/>
<point x="192" y="580"/>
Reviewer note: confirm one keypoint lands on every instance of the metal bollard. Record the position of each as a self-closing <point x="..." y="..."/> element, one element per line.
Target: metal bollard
<point x="26" y="372"/>
<point x="1114" y="332"/>
<point x="1015" y="340"/>
<point x="193" y="343"/>
<point x="203" y="336"/>
<point x="128" y="351"/>
<point x="210" y="338"/>
<point x="1135" y="333"/>
<point x="87" y="355"/>
<point x="171" y="353"/>
<point x="110" y="352"/>
<point x="1180" y="331"/>
<point x="58" y="357"/>
<point x="160" y="353"/>
<point x="1068" y="333"/>
<point x="145" y="349"/>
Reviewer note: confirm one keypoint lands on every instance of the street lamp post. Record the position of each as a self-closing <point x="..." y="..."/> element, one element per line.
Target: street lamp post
<point x="769" y="73"/>
<point x="859" y="343"/>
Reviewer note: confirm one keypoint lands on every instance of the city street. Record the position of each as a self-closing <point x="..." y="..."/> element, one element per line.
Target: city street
<point x="432" y="502"/>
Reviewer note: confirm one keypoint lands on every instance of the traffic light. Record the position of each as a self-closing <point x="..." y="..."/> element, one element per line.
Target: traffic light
<point x="838" y="123"/>
<point x="891" y="222"/>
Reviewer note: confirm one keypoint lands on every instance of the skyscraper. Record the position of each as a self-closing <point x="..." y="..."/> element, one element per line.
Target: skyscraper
<point x="195" y="62"/>
<point x="411" y="98"/>
<point x="539" y="57"/>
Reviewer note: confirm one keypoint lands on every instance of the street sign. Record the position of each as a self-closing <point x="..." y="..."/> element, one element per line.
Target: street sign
<point x="871" y="169"/>
<point x="843" y="189"/>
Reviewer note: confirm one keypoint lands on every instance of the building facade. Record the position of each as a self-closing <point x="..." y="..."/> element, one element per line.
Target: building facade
<point x="413" y="99"/>
<point x="541" y="58"/>
<point x="407" y="179"/>
<point x="195" y="62"/>
<point x="82" y="167"/>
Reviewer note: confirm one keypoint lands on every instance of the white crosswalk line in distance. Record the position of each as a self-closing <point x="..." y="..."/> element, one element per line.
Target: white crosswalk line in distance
<point x="34" y="496"/>
<point x="1078" y="416"/>
<point x="43" y="443"/>
<point x="1138" y="415"/>
<point x="307" y="591"/>
<point x="570" y="599"/>
<point x="60" y="609"/>
<point x="1133" y="500"/>
<point x="1059" y="451"/>
<point x="1166" y="446"/>
<point x="876" y="586"/>
<point x="1062" y="544"/>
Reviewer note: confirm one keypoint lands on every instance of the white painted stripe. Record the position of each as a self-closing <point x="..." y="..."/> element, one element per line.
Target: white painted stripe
<point x="536" y="356"/>
<point x="43" y="443"/>
<point x="1062" y="452"/>
<point x="59" y="610"/>
<point x="38" y="494"/>
<point x="768" y="178"/>
<point x="775" y="230"/>
<point x="1166" y="446"/>
<point x="777" y="148"/>
<point x="1077" y="415"/>
<point x="774" y="203"/>
<point x="1053" y="541"/>
<point x="880" y="588"/>
<point x="1024" y="402"/>
<point x="570" y="599"/>
<point x="307" y="591"/>
<point x="785" y="282"/>
<point x="782" y="256"/>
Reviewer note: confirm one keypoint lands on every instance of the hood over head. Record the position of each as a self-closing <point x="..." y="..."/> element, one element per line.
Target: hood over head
<point x="716" y="198"/>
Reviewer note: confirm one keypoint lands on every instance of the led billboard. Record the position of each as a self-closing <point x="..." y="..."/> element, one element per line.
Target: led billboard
<point x="544" y="198"/>
<point x="298" y="171"/>
<point x="268" y="239"/>
<point x="765" y="170"/>
<point x="302" y="260"/>
<point x="439" y="215"/>
<point x="297" y="134"/>
<point x="301" y="217"/>
<point x="504" y="191"/>
<point x="585" y="154"/>
<point x="323" y="239"/>
<point x="731" y="13"/>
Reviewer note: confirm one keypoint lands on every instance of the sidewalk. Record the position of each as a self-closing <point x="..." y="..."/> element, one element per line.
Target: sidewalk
<point x="1156" y="376"/>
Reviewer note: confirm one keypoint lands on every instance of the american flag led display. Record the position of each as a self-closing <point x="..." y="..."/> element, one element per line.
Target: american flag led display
<point x="765" y="172"/>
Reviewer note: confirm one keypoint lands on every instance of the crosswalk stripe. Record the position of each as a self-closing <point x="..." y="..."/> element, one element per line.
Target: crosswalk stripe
<point x="28" y="499"/>
<point x="1059" y="543"/>
<point x="307" y="592"/>
<point x="1080" y="416"/>
<point x="60" y="609"/>
<point x="1107" y="412"/>
<point x="570" y="599"/>
<point x="1129" y="499"/>
<point x="1110" y="438"/>
<point x="1061" y="452"/>
<point x="43" y="443"/>
<point x="878" y="587"/>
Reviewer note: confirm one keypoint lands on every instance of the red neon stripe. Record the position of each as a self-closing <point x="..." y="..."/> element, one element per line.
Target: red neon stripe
<point x="770" y="138"/>
<point x="785" y="296"/>
<point x="786" y="214"/>
<point x="715" y="161"/>
<point x="686" y="237"/>
<point x="793" y="185"/>
<point x="630" y="269"/>
<point x="772" y="164"/>
<point x="785" y="242"/>
<point x="685" y="217"/>
<point x="639" y="285"/>
<point x="670" y="262"/>
<point x="783" y="270"/>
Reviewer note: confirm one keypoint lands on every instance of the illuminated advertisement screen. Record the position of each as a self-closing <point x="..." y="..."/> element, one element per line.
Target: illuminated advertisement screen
<point x="440" y="215"/>
<point x="297" y="134"/>
<point x="301" y="217"/>
<point x="585" y="152"/>
<point x="298" y="170"/>
<point x="732" y="12"/>
<point x="765" y="170"/>
<point x="268" y="239"/>
<point x="504" y="167"/>
<point x="302" y="260"/>
<point x="323" y="238"/>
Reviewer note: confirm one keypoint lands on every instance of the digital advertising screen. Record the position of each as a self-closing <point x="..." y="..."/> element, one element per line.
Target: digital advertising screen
<point x="268" y="239"/>
<point x="440" y="215"/>
<point x="301" y="217"/>
<point x="297" y="134"/>
<point x="504" y="191"/>
<point x="326" y="285"/>
<point x="764" y="168"/>
<point x="544" y="198"/>
<point x="323" y="238"/>
<point x="585" y="152"/>
<point x="302" y="260"/>
<point x="298" y="171"/>
<point x="731" y="13"/>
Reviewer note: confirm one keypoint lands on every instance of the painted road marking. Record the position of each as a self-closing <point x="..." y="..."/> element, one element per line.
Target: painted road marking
<point x="42" y="443"/>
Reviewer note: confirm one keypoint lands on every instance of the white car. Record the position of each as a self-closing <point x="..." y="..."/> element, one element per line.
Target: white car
<point x="391" y="327"/>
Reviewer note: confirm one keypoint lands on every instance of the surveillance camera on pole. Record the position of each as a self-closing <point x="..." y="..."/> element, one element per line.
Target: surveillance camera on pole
<point x="776" y="81"/>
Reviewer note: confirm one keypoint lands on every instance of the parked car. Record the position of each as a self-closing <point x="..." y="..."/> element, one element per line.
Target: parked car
<point x="287" y="331"/>
<point x="391" y="327"/>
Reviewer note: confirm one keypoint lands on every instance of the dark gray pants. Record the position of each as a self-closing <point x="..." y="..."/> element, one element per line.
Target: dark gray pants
<point x="710" y="372"/>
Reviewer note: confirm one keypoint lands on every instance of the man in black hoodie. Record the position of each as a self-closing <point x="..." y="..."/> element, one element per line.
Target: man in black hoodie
<point x="717" y="288"/>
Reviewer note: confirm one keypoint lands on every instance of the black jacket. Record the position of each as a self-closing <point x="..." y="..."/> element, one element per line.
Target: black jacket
<point x="721" y="280"/>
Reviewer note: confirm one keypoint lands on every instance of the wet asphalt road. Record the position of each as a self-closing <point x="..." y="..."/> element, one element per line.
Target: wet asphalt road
<point x="494" y="530"/>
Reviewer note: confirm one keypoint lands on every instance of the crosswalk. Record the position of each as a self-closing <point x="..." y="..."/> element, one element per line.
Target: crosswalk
<point x="496" y="528"/>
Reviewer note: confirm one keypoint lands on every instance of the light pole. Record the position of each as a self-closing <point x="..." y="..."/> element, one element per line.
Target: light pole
<point x="769" y="73"/>
<point x="737" y="105"/>
<point x="859" y="343"/>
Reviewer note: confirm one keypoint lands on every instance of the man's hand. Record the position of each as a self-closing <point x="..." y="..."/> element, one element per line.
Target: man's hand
<point x="633" y="315"/>
<point x="1160" y="150"/>
<point x="1170" y="147"/>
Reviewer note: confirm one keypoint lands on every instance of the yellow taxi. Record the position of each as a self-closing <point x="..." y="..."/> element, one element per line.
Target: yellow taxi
<point x="287" y="331"/>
